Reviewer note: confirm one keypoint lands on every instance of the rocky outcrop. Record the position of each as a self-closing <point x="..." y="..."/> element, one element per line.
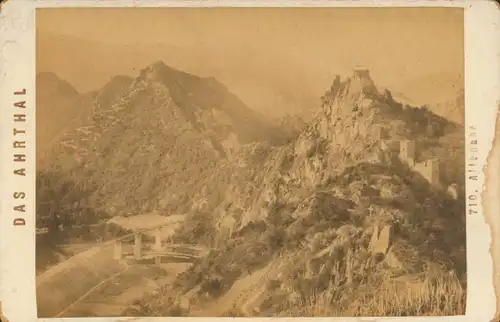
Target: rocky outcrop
<point x="318" y="196"/>
<point x="381" y="240"/>
<point x="167" y="127"/>
<point x="453" y="191"/>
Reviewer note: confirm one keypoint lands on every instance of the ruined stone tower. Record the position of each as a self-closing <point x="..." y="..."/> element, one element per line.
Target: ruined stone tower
<point x="407" y="152"/>
<point x="361" y="72"/>
<point x="381" y="133"/>
<point x="429" y="169"/>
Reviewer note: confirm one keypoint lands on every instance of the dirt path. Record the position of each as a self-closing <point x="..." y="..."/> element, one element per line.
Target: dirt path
<point x="166" y="224"/>
<point x="240" y="293"/>
<point x="90" y="292"/>
<point x="116" y="294"/>
<point x="95" y="262"/>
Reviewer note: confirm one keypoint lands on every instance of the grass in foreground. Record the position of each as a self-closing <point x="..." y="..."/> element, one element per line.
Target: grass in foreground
<point x="440" y="296"/>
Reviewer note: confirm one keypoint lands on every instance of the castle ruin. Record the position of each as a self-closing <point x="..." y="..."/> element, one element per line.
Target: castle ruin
<point x="361" y="72"/>
<point x="381" y="133"/>
<point x="429" y="169"/>
<point x="407" y="151"/>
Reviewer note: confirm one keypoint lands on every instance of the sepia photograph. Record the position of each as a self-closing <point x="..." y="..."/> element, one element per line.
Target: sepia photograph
<point x="250" y="162"/>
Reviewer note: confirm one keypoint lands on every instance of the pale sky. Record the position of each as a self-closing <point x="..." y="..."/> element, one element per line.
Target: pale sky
<point x="274" y="59"/>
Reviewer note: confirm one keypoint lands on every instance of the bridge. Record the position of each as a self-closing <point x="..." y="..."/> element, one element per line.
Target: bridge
<point x="142" y="250"/>
<point x="64" y="288"/>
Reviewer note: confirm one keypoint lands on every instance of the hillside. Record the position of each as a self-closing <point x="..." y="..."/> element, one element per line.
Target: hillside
<point x="350" y="218"/>
<point x="442" y="93"/>
<point x="57" y="103"/>
<point x="433" y="88"/>
<point x="451" y="109"/>
<point x="113" y="90"/>
<point x="60" y="108"/>
<point x="145" y="144"/>
<point x="301" y="218"/>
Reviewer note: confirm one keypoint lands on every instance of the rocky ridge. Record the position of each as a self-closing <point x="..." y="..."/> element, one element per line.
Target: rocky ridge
<point x="146" y="143"/>
<point x="334" y="204"/>
<point x="342" y="201"/>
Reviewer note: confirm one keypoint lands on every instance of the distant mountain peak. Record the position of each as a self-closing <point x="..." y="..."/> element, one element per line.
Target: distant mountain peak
<point x="120" y="78"/>
<point x="47" y="76"/>
<point x="161" y="67"/>
<point x="117" y="81"/>
<point x="113" y="89"/>
<point x="52" y="82"/>
<point x="158" y="64"/>
<point x="162" y="73"/>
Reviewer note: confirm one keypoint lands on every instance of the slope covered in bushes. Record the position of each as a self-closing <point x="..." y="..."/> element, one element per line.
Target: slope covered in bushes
<point x="307" y="213"/>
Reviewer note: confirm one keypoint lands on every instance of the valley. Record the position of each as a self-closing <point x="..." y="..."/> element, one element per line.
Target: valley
<point x="327" y="217"/>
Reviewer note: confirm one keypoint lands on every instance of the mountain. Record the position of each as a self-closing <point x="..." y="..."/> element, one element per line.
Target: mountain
<point x="432" y="88"/>
<point x="341" y="220"/>
<point x="113" y="89"/>
<point x="60" y="107"/>
<point x="451" y="109"/>
<point x="147" y="143"/>
<point x="291" y="125"/>
<point x="443" y="93"/>
<point x="57" y="102"/>
<point x="339" y="215"/>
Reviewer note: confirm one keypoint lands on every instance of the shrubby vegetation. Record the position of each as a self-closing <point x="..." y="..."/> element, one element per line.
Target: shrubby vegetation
<point x="427" y="226"/>
<point x="311" y="214"/>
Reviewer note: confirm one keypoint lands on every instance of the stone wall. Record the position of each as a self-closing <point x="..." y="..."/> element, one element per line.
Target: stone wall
<point x="429" y="169"/>
<point x="407" y="152"/>
<point x="361" y="72"/>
